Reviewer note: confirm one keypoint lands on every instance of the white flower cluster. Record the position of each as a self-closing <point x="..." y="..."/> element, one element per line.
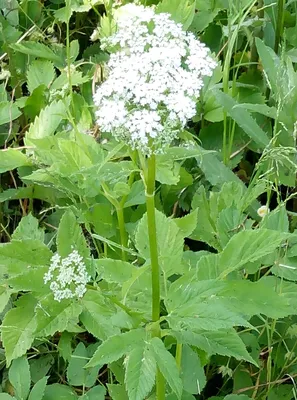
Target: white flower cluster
<point x="68" y="276"/>
<point x="155" y="74"/>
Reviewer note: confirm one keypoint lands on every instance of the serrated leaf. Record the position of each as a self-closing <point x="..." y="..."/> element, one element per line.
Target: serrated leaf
<point x="5" y="294"/>
<point x="38" y="389"/>
<point x="117" y="392"/>
<point x="28" y="228"/>
<point x="243" y="118"/>
<point x="17" y="256"/>
<point x="70" y="236"/>
<point x="140" y="367"/>
<point x="64" y="345"/>
<point x="77" y="374"/>
<point x="40" y="72"/>
<point x="248" y="246"/>
<point x="192" y="372"/>
<point x="53" y="316"/>
<point x="11" y="159"/>
<point x="96" y="393"/>
<point x="47" y="122"/>
<point x="114" y="271"/>
<point x="170" y="242"/>
<point x="57" y="391"/>
<point x="19" y="377"/>
<point x="18" y="328"/>
<point x="97" y="315"/>
<point x="188" y="223"/>
<point x="223" y="342"/>
<point x="116" y="346"/>
<point x="167" y="365"/>
<point x="37" y="49"/>
<point x="181" y="11"/>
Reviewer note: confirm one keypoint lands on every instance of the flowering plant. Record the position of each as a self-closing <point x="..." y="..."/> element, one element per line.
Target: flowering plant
<point x="155" y="74"/>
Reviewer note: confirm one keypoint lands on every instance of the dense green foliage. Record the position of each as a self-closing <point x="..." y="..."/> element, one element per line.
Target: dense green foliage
<point x="228" y="312"/>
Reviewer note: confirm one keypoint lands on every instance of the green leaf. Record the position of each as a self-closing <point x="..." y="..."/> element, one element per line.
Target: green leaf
<point x="18" y="328"/>
<point x="70" y="236"/>
<point x="28" y="228"/>
<point x="237" y="397"/>
<point x="97" y="315"/>
<point x="53" y="316"/>
<point x="167" y="365"/>
<point x="192" y="372"/>
<point x="47" y="122"/>
<point x="57" y="391"/>
<point x="96" y="393"/>
<point x="19" y="377"/>
<point x="116" y="346"/>
<point x="5" y="294"/>
<point x="223" y="342"/>
<point x="37" y="49"/>
<point x="243" y="118"/>
<point x="270" y="62"/>
<point x="114" y="271"/>
<point x="64" y="345"/>
<point x="140" y="372"/>
<point x="248" y="246"/>
<point x="17" y="256"/>
<point x="40" y="72"/>
<point x="181" y="11"/>
<point x="77" y="375"/>
<point x="170" y="242"/>
<point x="5" y="396"/>
<point x="40" y="367"/>
<point x="8" y="112"/>
<point x="117" y="392"/>
<point x="38" y="389"/>
<point x="11" y="159"/>
<point x="188" y="223"/>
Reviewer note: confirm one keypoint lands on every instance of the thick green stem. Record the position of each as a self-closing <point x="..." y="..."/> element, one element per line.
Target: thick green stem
<point x="151" y="221"/>
<point x="155" y="269"/>
<point x="123" y="233"/>
<point x="279" y="24"/>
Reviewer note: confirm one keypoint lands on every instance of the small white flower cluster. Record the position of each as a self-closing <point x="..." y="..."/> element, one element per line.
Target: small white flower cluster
<point x="155" y="74"/>
<point x="68" y="276"/>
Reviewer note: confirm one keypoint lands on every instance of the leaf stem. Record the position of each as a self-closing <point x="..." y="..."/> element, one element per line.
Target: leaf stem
<point x="155" y="269"/>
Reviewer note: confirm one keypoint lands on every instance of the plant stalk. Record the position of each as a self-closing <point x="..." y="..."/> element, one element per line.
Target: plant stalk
<point x="155" y="269"/>
<point x="279" y="24"/>
<point x="123" y="233"/>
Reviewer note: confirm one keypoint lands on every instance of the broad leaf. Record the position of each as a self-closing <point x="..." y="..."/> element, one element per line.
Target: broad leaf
<point x="57" y="391"/>
<point x="140" y="372"/>
<point x="38" y="389"/>
<point x="18" y="328"/>
<point x="192" y="372"/>
<point x="116" y="346"/>
<point x="170" y="242"/>
<point x="19" y="377"/>
<point x="181" y="11"/>
<point x="223" y="342"/>
<point x="248" y="246"/>
<point x="40" y="72"/>
<point x="28" y="228"/>
<point x="114" y="271"/>
<point x="11" y="159"/>
<point x="77" y="375"/>
<point x="37" y="50"/>
<point x="96" y="393"/>
<point x="8" y="112"/>
<point x="70" y="236"/>
<point x="167" y="365"/>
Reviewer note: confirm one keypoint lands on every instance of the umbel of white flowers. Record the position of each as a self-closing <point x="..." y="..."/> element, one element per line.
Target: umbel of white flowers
<point x="155" y="75"/>
<point x="68" y="276"/>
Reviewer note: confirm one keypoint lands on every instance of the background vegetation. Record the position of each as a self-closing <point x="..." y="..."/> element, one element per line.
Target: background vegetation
<point x="63" y="183"/>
